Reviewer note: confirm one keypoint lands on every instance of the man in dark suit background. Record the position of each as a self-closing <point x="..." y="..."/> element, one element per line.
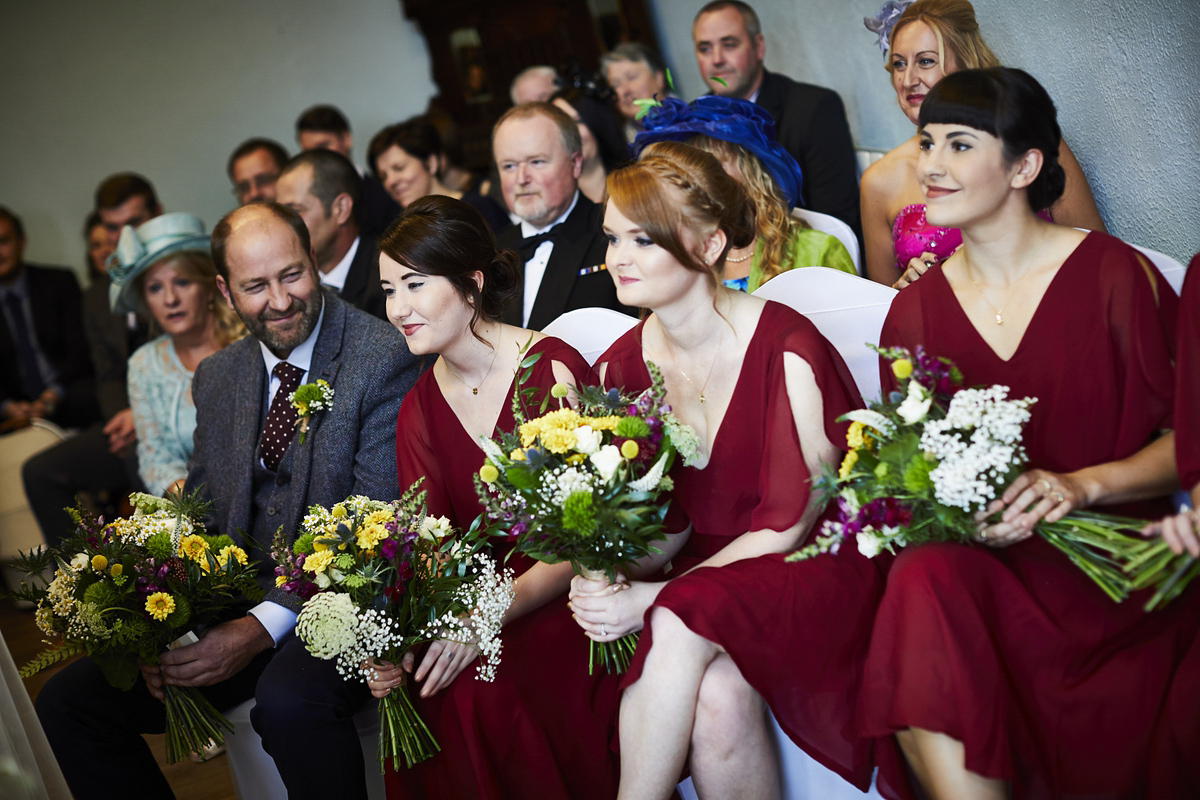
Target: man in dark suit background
<point x="253" y="169"/>
<point x="259" y="482"/>
<point x="540" y="157"/>
<point x="323" y="187"/>
<point x="45" y="372"/>
<point x="810" y="121"/>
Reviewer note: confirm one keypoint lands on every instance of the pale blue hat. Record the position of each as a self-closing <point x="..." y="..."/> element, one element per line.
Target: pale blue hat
<point x="137" y="250"/>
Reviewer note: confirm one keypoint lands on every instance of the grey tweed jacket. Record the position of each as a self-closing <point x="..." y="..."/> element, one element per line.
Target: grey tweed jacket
<point x="349" y="449"/>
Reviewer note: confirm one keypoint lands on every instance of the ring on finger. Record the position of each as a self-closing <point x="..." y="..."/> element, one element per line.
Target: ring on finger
<point x="1058" y="497"/>
<point x="1048" y="486"/>
<point x="929" y="264"/>
<point x="983" y="536"/>
<point x="603" y="629"/>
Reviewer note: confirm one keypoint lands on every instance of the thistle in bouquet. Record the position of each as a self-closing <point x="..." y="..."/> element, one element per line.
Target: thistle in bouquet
<point x="921" y="464"/>
<point x="380" y="578"/>
<point x="587" y="485"/>
<point x="130" y="589"/>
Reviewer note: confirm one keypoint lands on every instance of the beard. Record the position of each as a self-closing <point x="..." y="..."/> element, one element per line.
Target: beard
<point x="284" y="341"/>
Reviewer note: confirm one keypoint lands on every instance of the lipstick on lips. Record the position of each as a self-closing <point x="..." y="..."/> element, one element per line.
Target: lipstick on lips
<point x="409" y="330"/>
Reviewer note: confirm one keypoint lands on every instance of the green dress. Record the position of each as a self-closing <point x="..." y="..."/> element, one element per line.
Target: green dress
<point x="807" y="247"/>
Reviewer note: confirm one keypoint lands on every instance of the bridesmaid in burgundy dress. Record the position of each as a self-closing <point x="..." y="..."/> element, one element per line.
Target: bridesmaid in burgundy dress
<point x="1003" y="667"/>
<point x="734" y="625"/>
<point x="542" y="728"/>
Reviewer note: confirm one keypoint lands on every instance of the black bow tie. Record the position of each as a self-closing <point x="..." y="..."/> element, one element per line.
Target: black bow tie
<point x="529" y="244"/>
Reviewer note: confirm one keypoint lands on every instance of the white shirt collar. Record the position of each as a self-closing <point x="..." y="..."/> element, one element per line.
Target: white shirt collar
<point x="528" y="230"/>
<point x="301" y="355"/>
<point x="336" y="277"/>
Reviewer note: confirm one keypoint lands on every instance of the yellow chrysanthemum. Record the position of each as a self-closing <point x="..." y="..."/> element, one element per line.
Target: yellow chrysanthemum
<point x="369" y="536"/>
<point x="600" y="423"/>
<point x="238" y="554"/>
<point x="193" y="546"/>
<point x="848" y="464"/>
<point x="319" y="562"/>
<point x="517" y="454"/>
<point x="489" y="474"/>
<point x="280" y="580"/>
<point x="902" y="368"/>
<point x="160" y="605"/>
<point x="558" y="441"/>
<point x="301" y="407"/>
<point x="565" y="419"/>
<point x="629" y="448"/>
<point x="99" y="562"/>
<point x="380" y="517"/>
<point x="854" y="436"/>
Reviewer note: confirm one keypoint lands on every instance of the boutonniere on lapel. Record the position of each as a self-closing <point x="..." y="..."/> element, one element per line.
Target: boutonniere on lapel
<point x="309" y="399"/>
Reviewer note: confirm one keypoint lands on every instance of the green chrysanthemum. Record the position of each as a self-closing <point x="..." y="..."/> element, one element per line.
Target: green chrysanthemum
<point x="183" y="611"/>
<point x="304" y="545"/>
<point x="579" y="513"/>
<point x="632" y="428"/>
<point x="916" y="474"/>
<point x="159" y="546"/>
<point x="100" y="594"/>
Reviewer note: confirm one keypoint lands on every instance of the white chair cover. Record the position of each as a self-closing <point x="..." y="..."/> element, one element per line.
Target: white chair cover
<point x="19" y="529"/>
<point x="834" y="227"/>
<point x="1171" y="269"/>
<point x="848" y="310"/>
<point x="591" y="331"/>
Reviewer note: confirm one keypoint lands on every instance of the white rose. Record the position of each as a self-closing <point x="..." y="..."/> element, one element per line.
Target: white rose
<point x="435" y="529"/>
<point x="869" y="543"/>
<point x="916" y="404"/>
<point x="587" y="441"/>
<point x="606" y="460"/>
<point x="322" y="580"/>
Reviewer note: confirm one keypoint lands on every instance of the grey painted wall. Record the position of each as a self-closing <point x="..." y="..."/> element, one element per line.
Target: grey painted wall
<point x="169" y="89"/>
<point x="1124" y="76"/>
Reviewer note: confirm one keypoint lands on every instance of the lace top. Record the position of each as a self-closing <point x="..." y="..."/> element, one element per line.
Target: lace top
<point x="160" y="395"/>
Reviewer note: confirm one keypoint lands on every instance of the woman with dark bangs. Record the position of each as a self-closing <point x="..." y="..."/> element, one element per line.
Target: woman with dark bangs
<point x="1003" y="669"/>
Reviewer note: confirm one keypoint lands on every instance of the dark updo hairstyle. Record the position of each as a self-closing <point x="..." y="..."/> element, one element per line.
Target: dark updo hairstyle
<point x="1010" y="105"/>
<point x="673" y="186"/>
<point x="438" y="235"/>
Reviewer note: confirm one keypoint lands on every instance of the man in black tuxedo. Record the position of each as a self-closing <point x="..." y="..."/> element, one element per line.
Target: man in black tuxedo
<point x="45" y="372"/>
<point x="810" y="121"/>
<point x="540" y="156"/>
<point x="258" y="481"/>
<point x="326" y="128"/>
<point x="323" y="187"/>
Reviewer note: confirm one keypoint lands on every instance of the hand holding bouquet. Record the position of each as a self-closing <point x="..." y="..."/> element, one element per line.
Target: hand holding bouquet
<point x="921" y="465"/>
<point x="381" y="578"/>
<point x="129" y="589"/>
<point x="586" y="486"/>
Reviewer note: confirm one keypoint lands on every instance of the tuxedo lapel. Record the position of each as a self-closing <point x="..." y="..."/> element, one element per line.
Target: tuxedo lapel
<point x="566" y="259"/>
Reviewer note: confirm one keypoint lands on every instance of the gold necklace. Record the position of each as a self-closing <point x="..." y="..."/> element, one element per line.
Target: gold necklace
<point x="716" y="354"/>
<point x="475" y="389"/>
<point x="999" y="312"/>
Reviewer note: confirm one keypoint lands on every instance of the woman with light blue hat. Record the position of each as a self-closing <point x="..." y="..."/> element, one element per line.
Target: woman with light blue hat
<point x="741" y="135"/>
<point x="164" y="269"/>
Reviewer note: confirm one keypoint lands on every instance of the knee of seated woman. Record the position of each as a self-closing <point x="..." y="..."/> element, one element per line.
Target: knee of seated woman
<point x="726" y="698"/>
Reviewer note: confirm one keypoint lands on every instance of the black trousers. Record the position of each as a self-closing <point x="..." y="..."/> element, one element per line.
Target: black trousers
<point x="304" y="713"/>
<point x="82" y="463"/>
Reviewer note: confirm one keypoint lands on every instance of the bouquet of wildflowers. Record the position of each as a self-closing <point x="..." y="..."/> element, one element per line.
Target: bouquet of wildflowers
<point x="132" y="588"/>
<point x="922" y="464"/>
<point x="380" y="578"/>
<point x="586" y="485"/>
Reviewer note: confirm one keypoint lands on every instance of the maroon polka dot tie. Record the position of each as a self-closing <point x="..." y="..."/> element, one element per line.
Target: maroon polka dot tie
<point x="281" y="418"/>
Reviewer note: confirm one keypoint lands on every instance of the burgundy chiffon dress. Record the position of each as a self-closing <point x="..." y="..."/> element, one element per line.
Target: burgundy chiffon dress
<point x="1187" y="387"/>
<point x="1013" y="651"/>
<point x="542" y="728"/>
<point x="797" y="632"/>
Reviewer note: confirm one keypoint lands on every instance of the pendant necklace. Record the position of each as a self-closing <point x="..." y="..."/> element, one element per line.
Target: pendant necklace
<point x="707" y="378"/>
<point x="999" y="312"/>
<point x="475" y="389"/>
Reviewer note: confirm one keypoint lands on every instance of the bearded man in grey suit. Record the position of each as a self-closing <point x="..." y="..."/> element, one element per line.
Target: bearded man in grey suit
<point x="260" y="478"/>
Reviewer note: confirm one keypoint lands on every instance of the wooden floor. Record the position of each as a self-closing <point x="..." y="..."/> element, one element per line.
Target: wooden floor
<point x="191" y="781"/>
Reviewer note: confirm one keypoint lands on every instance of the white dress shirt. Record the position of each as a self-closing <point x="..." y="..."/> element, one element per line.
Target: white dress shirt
<point x="336" y="277"/>
<point x="535" y="267"/>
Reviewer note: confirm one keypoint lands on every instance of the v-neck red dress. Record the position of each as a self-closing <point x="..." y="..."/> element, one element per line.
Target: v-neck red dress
<point x="797" y="632"/>
<point x="542" y="728"/>
<point x="1014" y="651"/>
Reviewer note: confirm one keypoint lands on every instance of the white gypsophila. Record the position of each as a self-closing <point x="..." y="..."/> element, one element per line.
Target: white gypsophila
<point x="916" y="404"/>
<point x="435" y="529"/>
<point x="87" y="624"/>
<point x="606" y="460"/>
<point x="587" y="440"/>
<point x="488" y="596"/>
<point x="377" y="633"/>
<point x="683" y="437"/>
<point x="328" y="624"/>
<point x="650" y="481"/>
<point x="872" y="419"/>
<point x="563" y="484"/>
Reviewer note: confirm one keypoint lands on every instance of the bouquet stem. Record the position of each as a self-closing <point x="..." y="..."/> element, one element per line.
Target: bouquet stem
<point x="614" y="656"/>
<point x="402" y="731"/>
<point x="192" y="722"/>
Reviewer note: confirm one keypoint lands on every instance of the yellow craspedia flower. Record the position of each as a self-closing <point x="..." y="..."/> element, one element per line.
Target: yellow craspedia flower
<point x="116" y="569"/>
<point x="559" y="390"/>
<point x="848" y="464"/>
<point x="193" y="546"/>
<point x="318" y="562"/>
<point x="280" y="580"/>
<point x="558" y="441"/>
<point x="489" y="474"/>
<point x="902" y="368"/>
<point x="339" y="511"/>
<point x="160" y="605"/>
<point x="99" y="562"/>
<point x="321" y="542"/>
<point x="576" y="458"/>
<point x="854" y="436"/>
<point x="237" y="553"/>
<point x="629" y="448"/>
